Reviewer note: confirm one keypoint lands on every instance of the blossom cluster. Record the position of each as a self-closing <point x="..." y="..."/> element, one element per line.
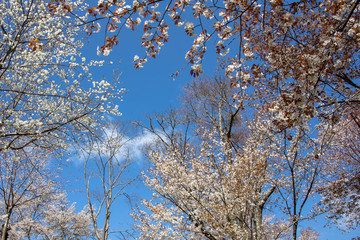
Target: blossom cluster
<point x="43" y="76"/>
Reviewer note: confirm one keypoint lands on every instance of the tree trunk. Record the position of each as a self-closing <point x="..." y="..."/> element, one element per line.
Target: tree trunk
<point x="5" y="228"/>
<point x="295" y="225"/>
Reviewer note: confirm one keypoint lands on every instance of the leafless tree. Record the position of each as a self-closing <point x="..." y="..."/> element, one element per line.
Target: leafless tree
<point x="107" y="161"/>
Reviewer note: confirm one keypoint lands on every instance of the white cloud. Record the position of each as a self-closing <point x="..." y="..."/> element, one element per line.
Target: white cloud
<point x="126" y="147"/>
<point x="117" y="144"/>
<point x="133" y="147"/>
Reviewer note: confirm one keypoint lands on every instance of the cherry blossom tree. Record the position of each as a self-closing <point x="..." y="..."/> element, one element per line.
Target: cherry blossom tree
<point x="32" y="205"/>
<point x="341" y="189"/>
<point x="48" y="99"/>
<point x="53" y="219"/>
<point x="208" y="182"/>
<point x="202" y="196"/>
<point x="220" y="171"/>
<point x="309" y="43"/>
<point x="47" y="93"/>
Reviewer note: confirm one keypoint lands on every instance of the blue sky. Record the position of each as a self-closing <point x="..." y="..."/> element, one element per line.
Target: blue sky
<point x="150" y="89"/>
